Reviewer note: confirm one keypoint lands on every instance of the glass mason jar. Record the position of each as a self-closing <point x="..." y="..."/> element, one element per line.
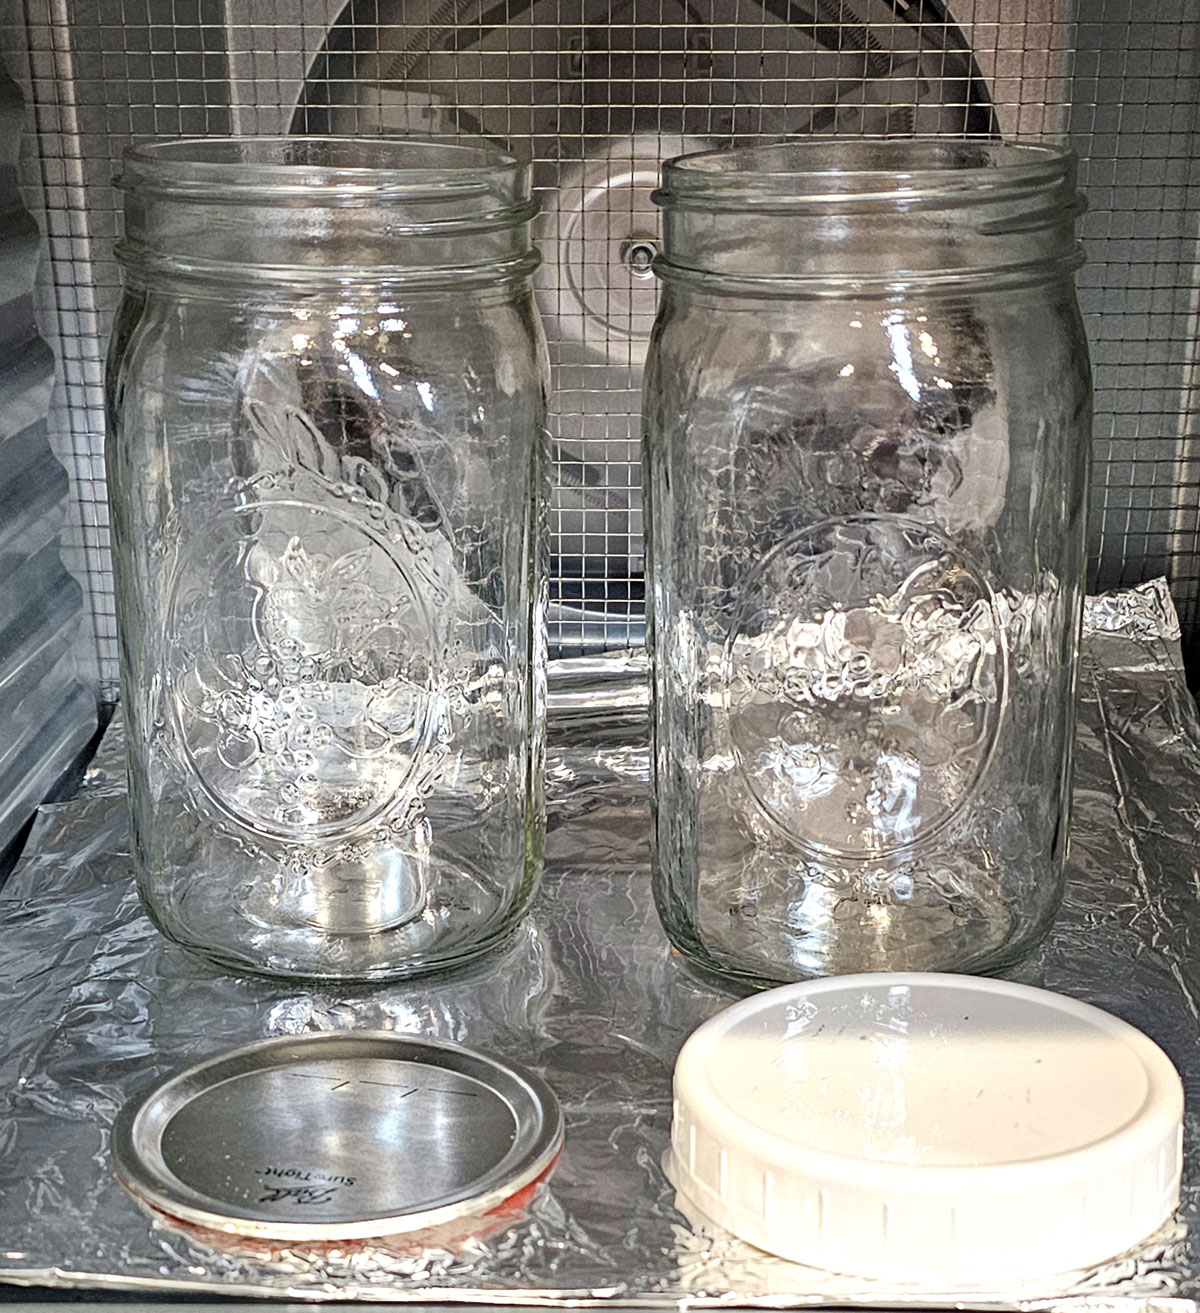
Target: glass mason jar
<point x="867" y="416"/>
<point x="326" y="468"/>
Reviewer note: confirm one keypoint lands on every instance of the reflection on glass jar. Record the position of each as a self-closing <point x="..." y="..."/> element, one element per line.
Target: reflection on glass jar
<point x="326" y="465"/>
<point x="867" y="425"/>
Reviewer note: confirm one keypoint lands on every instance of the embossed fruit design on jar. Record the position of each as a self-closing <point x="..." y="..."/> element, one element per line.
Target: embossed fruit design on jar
<point x="326" y="466"/>
<point x="867" y="416"/>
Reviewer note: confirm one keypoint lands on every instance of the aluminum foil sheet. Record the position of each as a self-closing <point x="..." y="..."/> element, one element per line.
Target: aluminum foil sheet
<point x="96" y="1006"/>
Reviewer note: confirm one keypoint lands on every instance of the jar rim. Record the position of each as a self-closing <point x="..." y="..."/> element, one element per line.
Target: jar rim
<point x="838" y="171"/>
<point x="326" y="170"/>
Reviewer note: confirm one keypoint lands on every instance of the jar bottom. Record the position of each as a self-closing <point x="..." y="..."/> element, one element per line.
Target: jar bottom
<point x="453" y="964"/>
<point x="349" y="897"/>
<point x="760" y="958"/>
<point x="711" y="969"/>
<point x="462" y="917"/>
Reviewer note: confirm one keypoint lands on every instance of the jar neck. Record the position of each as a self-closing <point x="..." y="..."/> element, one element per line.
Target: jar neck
<point x="869" y="217"/>
<point x="314" y="213"/>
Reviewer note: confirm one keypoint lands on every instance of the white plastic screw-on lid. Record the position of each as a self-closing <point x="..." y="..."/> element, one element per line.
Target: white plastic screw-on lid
<point x="930" y="1129"/>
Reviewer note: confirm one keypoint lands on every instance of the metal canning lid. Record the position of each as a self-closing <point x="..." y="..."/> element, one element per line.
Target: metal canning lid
<point x="337" y="1135"/>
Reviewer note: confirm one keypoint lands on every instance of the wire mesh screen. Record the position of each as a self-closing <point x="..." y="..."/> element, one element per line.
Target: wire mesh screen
<point x="597" y="92"/>
<point x="1135" y="92"/>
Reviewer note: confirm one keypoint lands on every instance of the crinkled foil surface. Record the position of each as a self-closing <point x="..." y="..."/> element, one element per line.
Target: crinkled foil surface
<point x="96" y="1006"/>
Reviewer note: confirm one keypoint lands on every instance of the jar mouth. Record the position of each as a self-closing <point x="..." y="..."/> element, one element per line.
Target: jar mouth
<point x="863" y="172"/>
<point x="321" y="170"/>
<point x="308" y="213"/>
<point x="866" y="216"/>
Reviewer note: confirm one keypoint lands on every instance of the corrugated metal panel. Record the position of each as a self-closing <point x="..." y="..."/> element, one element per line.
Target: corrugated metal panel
<point x="48" y="714"/>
